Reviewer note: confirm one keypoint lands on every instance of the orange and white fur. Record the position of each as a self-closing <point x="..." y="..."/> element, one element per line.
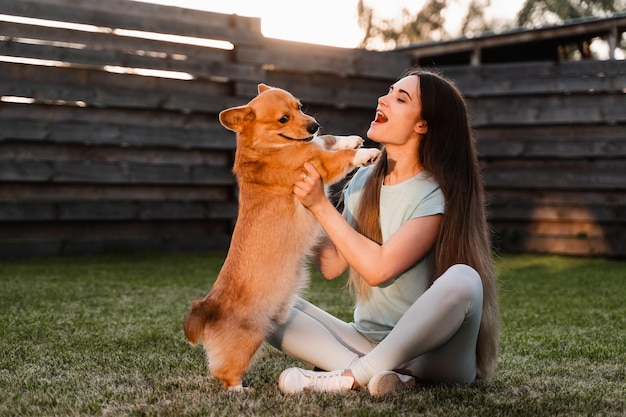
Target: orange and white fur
<point x="265" y="267"/>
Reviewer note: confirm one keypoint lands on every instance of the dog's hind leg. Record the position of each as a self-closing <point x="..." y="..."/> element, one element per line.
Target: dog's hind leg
<point x="234" y="358"/>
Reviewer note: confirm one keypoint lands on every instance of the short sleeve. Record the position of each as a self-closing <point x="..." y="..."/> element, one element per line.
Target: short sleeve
<point x="433" y="203"/>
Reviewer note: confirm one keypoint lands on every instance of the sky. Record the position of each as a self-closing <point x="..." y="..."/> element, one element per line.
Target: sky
<point x="330" y="22"/>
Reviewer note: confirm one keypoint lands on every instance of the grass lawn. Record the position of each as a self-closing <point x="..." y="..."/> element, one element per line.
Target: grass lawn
<point x="102" y="335"/>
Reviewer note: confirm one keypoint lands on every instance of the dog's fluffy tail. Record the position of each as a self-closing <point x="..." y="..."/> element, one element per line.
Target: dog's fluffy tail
<point x="200" y="313"/>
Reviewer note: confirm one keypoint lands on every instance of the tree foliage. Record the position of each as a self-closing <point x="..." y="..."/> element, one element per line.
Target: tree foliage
<point x="428" y="22"/>
<point x="475" y="22"/>
<point x="541" y="12"/>
<point x="535" y="13"/>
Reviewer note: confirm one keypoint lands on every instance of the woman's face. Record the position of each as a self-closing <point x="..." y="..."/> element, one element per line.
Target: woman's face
<point x="398" y="115"/>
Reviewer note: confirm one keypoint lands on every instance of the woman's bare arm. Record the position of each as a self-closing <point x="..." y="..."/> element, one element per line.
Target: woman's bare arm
<point x="374" y="262"/>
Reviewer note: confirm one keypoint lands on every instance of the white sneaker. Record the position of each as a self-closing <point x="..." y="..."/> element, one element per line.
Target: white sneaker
<point x="389" y="382"/>
<point x="294" y="380"/>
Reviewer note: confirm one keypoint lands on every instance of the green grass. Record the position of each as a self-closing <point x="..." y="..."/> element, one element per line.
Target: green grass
<point x="103" y="336"/>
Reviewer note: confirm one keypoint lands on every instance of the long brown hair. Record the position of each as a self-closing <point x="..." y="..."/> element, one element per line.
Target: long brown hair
<point x="447" y="152"/>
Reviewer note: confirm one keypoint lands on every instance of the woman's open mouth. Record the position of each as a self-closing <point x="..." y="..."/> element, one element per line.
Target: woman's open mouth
<point x="380" y="117"/>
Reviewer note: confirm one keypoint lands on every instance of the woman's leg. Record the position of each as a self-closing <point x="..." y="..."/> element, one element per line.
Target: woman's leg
<point x="313" y="336"/>
<point x="436" y="338"/>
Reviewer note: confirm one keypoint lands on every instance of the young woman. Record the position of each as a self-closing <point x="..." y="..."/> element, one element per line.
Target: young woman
<point x="415" y="238"/>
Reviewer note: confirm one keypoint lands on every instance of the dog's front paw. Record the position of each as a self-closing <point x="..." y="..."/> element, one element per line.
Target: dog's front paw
<point x="366" y="156"/>
<point x="348" y="142"/>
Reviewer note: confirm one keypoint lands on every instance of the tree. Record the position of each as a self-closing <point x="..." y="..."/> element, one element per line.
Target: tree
<point x="541" y="12"/>
<point x="428" y="23"/>
<point x="536" y="13"/>
<point x="474" y="22"/>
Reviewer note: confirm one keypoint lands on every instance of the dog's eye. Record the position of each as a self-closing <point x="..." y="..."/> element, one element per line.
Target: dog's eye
<point x="284" y="119"/>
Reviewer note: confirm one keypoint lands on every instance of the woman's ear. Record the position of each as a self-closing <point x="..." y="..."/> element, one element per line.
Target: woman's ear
<point x="421" y="127"/>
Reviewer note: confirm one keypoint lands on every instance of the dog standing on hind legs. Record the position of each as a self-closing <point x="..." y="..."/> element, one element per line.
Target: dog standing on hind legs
<point x="265" y="267"/>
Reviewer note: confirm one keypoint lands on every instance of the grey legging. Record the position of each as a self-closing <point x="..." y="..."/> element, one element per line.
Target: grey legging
<point x="435" y="340"/>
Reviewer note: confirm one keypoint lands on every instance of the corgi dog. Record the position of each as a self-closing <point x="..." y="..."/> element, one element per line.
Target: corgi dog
<point x="274" y="234"/>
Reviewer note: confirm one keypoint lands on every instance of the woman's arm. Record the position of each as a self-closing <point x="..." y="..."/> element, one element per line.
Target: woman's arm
<point x="375" y="263"/>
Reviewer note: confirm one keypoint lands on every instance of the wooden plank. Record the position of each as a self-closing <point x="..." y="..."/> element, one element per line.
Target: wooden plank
<point x="101" y="88"/>
<point x="388" y="65"/>
<point x="347" y="121"/>
<point x="539" y="78"/>
<point x="197" y="66"/>
<point x="558" y="149"/>
<point x="563" y="180"/>
<point x="119" y="210"/>
<point x="324" y="89"/>
<point x="567" y="246"/>
<point x="96" y="81"/>
<point x="156" y="156"/>
<point x="29" y="249"/>
<point x="583" y="165"/>
<point x="288" y="56"/>
<point x="95" y="172"/>
<point x="125" y="118"/>
<point x="72" y="247"/>
<point x="335" y="91"/>
<point x="532" y="110"/>
<point x="566" y="132"/>
<point x="153" y="10"/>
<point x="123" y="14"/>
<point x="554" y="213"/>
<point x="13" y="231"/>
<point x="180" y="48"/>
<point x="608" y="198"/>
<point x="14" y="191"/>
<point x="93" y="134"/>
<point x="570" y="229"/>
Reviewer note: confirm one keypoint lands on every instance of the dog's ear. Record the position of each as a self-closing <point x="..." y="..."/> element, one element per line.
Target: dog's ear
<point x="235" y="117"/>
<point x="263" y="87"/>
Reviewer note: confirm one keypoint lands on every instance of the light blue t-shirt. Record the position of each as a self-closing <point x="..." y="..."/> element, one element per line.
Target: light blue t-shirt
<point x="416" y="197"/>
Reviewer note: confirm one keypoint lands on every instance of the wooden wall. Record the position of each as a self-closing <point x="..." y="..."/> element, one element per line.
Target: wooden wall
<point x="96" y="156"/>
<point x="553" y="142"/>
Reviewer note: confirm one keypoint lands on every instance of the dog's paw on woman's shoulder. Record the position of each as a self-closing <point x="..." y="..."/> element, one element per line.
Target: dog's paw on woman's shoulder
<point x="366" y="156"/>
<point x="337" y="143"/>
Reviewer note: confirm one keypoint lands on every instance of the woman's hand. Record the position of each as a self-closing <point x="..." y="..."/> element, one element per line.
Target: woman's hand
<point x="310" y="189"/>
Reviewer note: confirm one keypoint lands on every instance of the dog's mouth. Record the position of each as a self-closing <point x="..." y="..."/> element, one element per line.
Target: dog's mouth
<point x="309" y="139"/>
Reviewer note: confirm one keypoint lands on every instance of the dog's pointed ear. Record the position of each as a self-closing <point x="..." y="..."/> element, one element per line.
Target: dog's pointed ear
<point x="235" y="117"/>
<point x="263" y="87"/>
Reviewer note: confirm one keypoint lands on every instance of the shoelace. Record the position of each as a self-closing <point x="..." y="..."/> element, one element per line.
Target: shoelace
<point x="331" y="381"/>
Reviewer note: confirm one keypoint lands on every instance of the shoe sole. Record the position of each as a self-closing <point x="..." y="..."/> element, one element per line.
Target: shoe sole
<point x="391" y="384"/>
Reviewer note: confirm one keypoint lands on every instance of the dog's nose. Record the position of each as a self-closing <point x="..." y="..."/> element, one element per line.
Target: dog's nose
<point x="312" y="127"/>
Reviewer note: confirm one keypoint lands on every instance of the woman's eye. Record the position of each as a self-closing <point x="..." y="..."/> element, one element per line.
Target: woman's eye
<point x="283" y="119"/>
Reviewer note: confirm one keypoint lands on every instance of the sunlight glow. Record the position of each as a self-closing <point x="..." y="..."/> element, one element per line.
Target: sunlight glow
<point x="52" y="23"/>
<point x="147" y="72"/>
<point x="33" y="61"/>
<point x="211" y="43"/>
<point x="17" y="100"/>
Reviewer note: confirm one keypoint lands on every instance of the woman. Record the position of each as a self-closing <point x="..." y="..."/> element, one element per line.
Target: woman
<point x="415" y="237"/>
